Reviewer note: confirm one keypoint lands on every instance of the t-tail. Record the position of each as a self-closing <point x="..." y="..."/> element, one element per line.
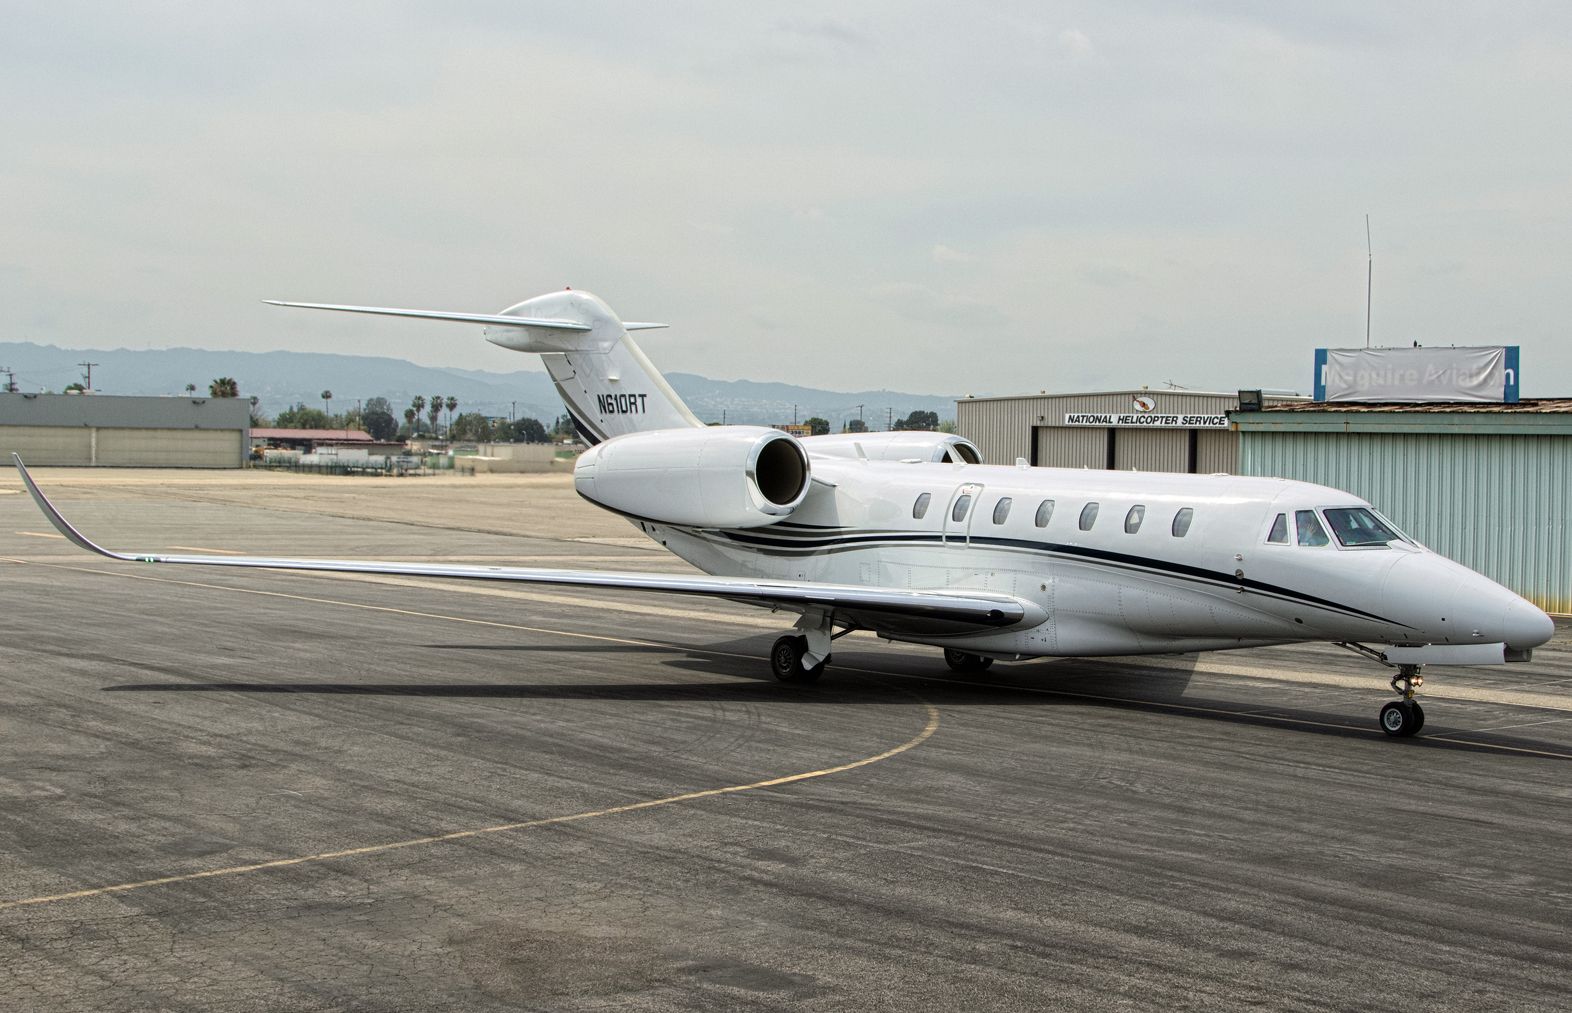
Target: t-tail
<point x="608" y="384"/>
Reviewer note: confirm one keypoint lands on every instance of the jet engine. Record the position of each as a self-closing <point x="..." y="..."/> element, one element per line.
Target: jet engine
<point x="909" y="445"/>
<point x="718" y="477"/>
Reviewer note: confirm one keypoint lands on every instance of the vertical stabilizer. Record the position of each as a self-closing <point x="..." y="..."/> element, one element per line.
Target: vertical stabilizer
<point x="608" y="384"/>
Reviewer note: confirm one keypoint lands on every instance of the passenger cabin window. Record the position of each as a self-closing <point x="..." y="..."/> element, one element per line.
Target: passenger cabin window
<point x="1088" y="516"/>
<point x="921" y="506"/>
<point x="1044" y="512"/>
<point x="1279" y="535"/>
<point x="1355" y="526"/>
<point x="1181" y="525"/>
<point x="1133" y="519"/>
<point x="961" y="506"/>
<point x="1001" y="510"/>
<point x="1310" y="530"/>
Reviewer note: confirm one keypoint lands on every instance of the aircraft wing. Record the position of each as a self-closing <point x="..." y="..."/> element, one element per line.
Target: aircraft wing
<point x="890" y="610"/>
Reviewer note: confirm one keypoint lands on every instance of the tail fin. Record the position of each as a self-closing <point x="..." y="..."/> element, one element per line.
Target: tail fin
<point x="607" y="383"/>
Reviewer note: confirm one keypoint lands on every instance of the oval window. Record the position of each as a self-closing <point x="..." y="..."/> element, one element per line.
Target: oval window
<point x="1133" y="519"/>
<point x="1001" y="510"/>
<point x="1044" y="513"/>
<point x="1088" y="516"/>
<point x="961" y="506"/>
<point x="921" y="506"/>
<point x="1182" y="522"/>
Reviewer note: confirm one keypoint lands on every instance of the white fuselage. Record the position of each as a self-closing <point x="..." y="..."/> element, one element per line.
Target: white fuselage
<point x="1114" y="586"/>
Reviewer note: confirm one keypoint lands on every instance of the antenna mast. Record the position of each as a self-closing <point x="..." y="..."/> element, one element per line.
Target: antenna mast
<point x="1369" y="277"/>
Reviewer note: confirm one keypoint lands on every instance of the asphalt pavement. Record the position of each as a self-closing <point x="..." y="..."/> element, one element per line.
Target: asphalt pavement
<point x="256" y="790"/>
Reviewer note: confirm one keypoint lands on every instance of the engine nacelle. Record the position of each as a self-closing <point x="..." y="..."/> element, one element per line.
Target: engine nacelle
<point x="717" y="477"/>
<point x="901" y="445"/>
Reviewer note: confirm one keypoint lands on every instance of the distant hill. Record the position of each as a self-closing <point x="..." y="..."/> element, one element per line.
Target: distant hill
<point x="281" y="379"/>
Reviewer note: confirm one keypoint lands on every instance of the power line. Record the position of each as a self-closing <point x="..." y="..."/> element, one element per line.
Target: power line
<point x="89" y="366"/>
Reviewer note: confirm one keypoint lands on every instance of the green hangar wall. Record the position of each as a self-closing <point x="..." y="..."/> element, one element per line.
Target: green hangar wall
<point x="1485" y="484"/>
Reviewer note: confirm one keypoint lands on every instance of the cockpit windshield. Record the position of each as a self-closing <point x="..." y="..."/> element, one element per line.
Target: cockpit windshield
<point x="1355" y="526"/>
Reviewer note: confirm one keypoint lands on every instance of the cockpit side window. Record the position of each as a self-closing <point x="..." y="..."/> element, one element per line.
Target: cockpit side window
<point x="1279" y="535"/>
<point x="1355" y="526"/>
<point x="1310" y="530"/>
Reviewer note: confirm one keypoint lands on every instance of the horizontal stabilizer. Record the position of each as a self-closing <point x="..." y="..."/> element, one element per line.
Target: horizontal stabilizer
<point x="492" y="319"/>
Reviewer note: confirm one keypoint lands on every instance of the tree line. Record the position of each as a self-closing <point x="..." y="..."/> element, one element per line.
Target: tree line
<point x="436" y="416"/>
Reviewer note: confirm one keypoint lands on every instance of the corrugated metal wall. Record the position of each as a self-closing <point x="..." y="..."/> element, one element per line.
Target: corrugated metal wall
<point x="1216" y="450"/>
<point x="1071" y="447"/>
<point x="52" y="445"/>
<point x="1001" y="428"/>
<point x="63" y="446"/>
<point x="171" y="448"/>
<point x="1151" y="449"/>
<point x="1497" y="504"/>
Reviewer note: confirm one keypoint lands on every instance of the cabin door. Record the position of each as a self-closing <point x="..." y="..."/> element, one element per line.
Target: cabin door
<point x="959" y="513"/>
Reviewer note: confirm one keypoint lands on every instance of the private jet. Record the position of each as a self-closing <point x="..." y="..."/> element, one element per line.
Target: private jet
<point x="912" y="537"/>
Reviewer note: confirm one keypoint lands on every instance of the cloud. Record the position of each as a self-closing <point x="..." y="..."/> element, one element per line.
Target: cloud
<point x="1075" y="44"/>
<point x="945" y="255"/>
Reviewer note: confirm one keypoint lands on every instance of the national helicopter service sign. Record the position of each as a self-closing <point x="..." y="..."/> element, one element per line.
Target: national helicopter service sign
<point x="1145" y="416"/>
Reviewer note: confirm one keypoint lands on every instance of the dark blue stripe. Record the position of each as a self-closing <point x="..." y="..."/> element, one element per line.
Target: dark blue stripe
<point x="1184" y="570"/>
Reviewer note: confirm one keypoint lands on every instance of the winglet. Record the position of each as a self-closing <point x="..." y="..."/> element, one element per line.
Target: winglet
<point x="61" y="524"/>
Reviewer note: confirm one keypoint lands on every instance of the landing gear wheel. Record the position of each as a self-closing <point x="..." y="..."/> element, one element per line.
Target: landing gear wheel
<point x="1401" y="718"/>
<point x="1419" y="716"/>
<point x="786" y="660"/>
<point x="961" y="661"/>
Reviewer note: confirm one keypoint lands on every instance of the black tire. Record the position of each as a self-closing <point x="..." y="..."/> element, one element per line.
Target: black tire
<point x="1398" y="719"/>
<point x="786" y="658"/>
<point x="963" y="661"/>
<point x="1419" y="717"/>
<point x="812" y="674"/>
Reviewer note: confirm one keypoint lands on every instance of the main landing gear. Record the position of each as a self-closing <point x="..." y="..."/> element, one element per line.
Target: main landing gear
<point x="801" y="656"/>
<point x="961" y="661"/>
<point x="1404" y="717"/>
<point x="786" y="660"/>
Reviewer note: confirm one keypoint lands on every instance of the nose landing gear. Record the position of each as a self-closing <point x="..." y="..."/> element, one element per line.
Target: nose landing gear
<point x="1404" y="717"/>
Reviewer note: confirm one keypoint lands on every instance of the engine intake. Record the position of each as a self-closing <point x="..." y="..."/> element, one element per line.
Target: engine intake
<point x="719" y="477"/>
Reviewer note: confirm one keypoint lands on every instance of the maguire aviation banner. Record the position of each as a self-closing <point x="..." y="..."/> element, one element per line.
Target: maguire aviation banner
<point x="1147" y="420"/>
<point x="1487" y="373"/>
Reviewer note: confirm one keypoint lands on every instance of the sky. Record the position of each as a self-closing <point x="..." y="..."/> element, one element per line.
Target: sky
<point x="936" y="198"/>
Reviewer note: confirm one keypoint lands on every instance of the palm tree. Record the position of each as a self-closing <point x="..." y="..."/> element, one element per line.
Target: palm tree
<point x="190" y="388"/>
<point x="410" y="415"/>
<point x="327" y="401"/>
<point x="224" y="386"/>
<point x="452" y="403"/>
<point x="419" y="405"/>
<point x="434" y="411"/>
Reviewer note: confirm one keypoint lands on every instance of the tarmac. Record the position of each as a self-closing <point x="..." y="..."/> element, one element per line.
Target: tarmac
<point x="243" y="790"/>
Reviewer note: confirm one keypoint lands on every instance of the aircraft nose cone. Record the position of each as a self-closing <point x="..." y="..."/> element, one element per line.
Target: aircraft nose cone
<point x="1524" y="626"/>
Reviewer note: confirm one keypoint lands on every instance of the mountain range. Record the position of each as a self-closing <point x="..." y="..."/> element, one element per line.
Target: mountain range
<point x="282" y="379"/>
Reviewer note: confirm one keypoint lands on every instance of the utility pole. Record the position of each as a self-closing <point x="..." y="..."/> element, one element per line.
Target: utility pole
<point x="10" y="380"/>
<point x="793" y="414"/>
<point x="513" y="413"/>
<point x="89" y="366"/>
<point x="889" y="419"/>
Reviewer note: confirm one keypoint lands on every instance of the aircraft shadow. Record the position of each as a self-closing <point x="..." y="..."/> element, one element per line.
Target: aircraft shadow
<point x="1052" y="684"/>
